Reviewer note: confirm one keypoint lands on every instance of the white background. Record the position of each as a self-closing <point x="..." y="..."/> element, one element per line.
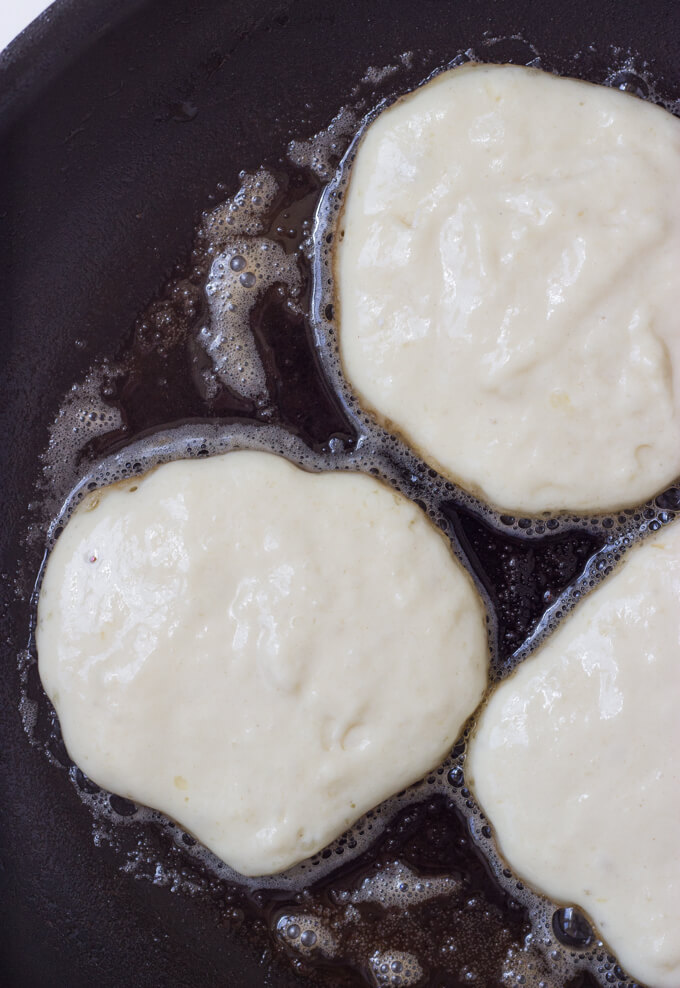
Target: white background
<point x="15" y="15"/>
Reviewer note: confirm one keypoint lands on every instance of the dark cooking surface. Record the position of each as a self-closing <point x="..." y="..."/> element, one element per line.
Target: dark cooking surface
<point x="103" y="175"/>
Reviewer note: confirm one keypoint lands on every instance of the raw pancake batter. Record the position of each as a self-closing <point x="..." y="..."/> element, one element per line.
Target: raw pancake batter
<point x="259" y="652"/>
<point x="508" y="286"/>
<point x="575" y="762"/>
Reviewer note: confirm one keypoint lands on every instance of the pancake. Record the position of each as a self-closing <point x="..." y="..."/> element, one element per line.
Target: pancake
<point x="261" y="653"/>
<point x="574" y="761"/>
<point x="507" y="286"/>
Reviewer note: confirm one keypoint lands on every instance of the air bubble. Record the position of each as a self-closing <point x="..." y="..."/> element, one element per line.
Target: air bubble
<point x="629" y="82"/>
<point x="670" y="499"/>
<point x="122" y="806"/>
<point x="572" y="928"/>
<point x="456" y="777"/>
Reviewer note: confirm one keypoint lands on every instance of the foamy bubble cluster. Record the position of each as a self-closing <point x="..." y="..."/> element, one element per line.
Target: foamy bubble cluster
<point x="397" y="886"/>
<point x="395" y="967"/>
<point x="244" y="213"/>
<point x="83" y="416"/>
<point x="527" y="966"/>
<point x="322" y="152"/>
<point x="28" y="704"/>
<point x="306" y="933"/>
<point x="239" y="277"/>
<point x="246" y="265"/>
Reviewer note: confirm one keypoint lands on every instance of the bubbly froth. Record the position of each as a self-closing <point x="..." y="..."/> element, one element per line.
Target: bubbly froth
<point x="529" y="947"/>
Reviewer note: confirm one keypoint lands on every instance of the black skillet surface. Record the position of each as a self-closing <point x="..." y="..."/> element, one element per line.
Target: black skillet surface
<point x="102" y="179"/>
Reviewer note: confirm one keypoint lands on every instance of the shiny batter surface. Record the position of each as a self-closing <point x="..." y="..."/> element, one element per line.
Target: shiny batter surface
<point x="575" y="762"/>
<point x="259" y="652"/>
<point x="508" y="286"/>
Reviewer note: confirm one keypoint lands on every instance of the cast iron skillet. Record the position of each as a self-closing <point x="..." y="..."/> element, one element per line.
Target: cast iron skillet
<point x="101" y="185"/>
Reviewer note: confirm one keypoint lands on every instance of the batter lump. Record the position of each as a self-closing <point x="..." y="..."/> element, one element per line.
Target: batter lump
<point x="507" y="284"/>
<point x="259" y="652"/>
<point x="575" y="762"/>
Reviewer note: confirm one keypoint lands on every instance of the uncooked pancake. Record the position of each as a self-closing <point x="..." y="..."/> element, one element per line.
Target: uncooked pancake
<point x="260" y="652"/>
<point x="575" y="762"/>
<point x="507" y="285"/>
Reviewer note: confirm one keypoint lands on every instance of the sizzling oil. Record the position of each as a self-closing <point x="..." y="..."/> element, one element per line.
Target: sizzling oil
<point x="239" y="351"/>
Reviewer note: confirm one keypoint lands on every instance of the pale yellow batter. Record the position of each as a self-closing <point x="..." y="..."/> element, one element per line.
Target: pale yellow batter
<point x="261" y="653"/>
<point x="575" y="762"/>
<point x="508" y="286"/>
